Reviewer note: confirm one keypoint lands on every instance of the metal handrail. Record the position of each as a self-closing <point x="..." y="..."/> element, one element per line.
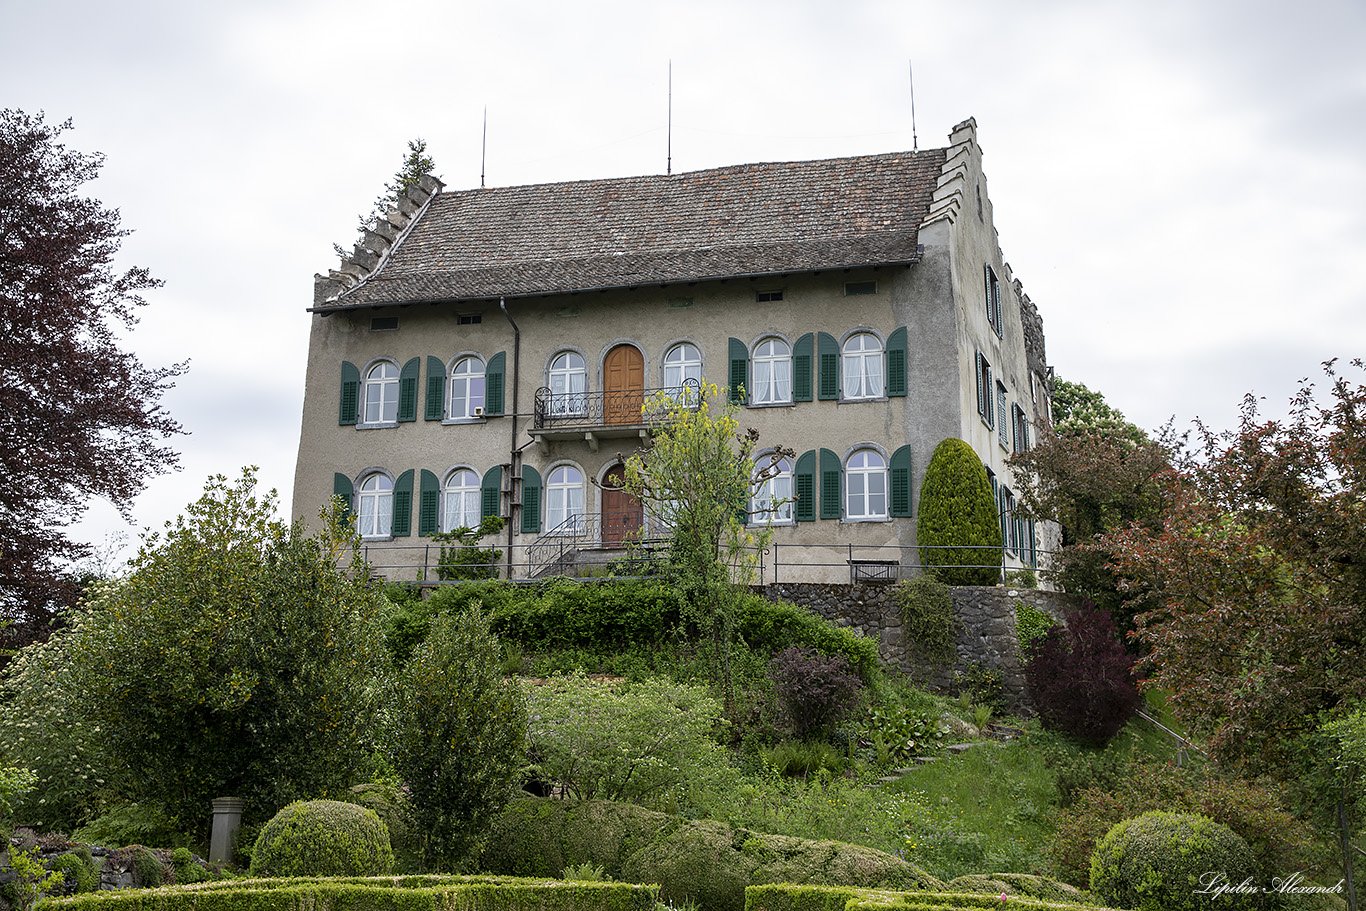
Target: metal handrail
<point x="627" y="407"/>
<point x="584" y="531"/>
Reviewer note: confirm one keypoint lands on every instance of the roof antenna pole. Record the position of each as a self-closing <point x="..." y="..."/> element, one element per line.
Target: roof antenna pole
<point x="910" y="71"/>
<point x="484" y="148"/>
<point x="669" y="142"/>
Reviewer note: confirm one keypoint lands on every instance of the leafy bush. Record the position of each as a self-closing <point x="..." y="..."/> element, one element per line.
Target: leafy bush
<point x="235" y="658"/>
<point x="14" y="784"/>
<point x="927" y="618"/>
<point x="770" y="627"/>
<point x="185" y="868"/>
<point x="1254" y="811"/>
<point x="1158" y="861"/>
<point x="799" y="759"/>
<point x="390" y="804"/>
<point x="638" y="742"/>
<point x="816" y="692"/>
<point x="322" y="838"/>
<point x="148" y="869"/>
<point x="126" y="823"/>
<point x="1031" y="627"/>
<point x="31" y="880"/>
<point x="960" y="539"/>
<point x="902" y="733"/>
<point x="458" y="738"/>
<point x="1079" y="678"/>
<point x="78" y="874"/>
<point x="462" y="557"/>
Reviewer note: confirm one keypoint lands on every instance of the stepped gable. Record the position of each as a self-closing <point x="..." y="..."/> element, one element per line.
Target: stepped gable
<point x="736" y="221"/>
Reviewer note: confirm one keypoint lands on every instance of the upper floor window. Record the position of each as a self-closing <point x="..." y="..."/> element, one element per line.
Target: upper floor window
<point x="1021" y="422"/>
<point x="564" y="498"/>
<point x="682" y="362"/>
<point x="985" y="404"/>
<point x="466" y="388"/>
<point x="772" y="499"/>
<point x="462" y="500"/>
<point x="381" y="394"/>
<point x="1002" y="428"/>
<point x="375" y="506"/>
<point x="772" y="369"/>
<point x="862" y="366"/>
<point x="568" y="384"/>
<point x="993" y="295"/>
<point x="865" y="486"/>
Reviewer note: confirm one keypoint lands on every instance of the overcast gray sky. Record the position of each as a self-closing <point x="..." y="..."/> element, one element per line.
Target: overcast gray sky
<point x="1179" y="184"/>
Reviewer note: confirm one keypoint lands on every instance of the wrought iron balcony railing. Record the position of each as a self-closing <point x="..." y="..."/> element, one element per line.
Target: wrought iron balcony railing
<point x="626" y="407"/>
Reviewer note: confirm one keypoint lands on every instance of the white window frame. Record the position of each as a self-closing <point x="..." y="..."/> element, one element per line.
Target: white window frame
<point x="859" y="478"/>
<point x="564" y="498"/>
<point x="375" y="506"/>
<point x="771" y="372"/>
<point x="378" y="378"/>
<point x="771" y="501"/>
<point x="862" y="368"/>
<point x="468" y="496"/>
<point x="474" y="383"/>
<point x="680" y="367"/>
<point x="568" y="384"/>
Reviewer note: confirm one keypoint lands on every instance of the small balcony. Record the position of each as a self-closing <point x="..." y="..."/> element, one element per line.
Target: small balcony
<point x="609" y="414"/>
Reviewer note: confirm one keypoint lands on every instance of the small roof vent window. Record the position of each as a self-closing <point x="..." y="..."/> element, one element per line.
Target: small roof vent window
<point x="471" y="319"/>
<point x="852" y="288"/>
<point x="383" y="323"/>
<point x="763" y="296"/>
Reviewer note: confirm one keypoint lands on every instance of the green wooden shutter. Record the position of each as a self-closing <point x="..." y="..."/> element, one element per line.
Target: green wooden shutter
<point x="804" y="486"/>
<point x="901" y="481"/>
<point x="429" y="505"/>
<point x="350" y="393"/>
<point x="831" y="507"/>
<point x="981" y="393"/>
<point x="739" y="372"/>
<point x="407" y="390"/>
<point x="403" y="505"/>
<point x="531" y="500"/>
<point x="801" y="368"/>
<point x="341" y="487"/>
<point x="827" y="367"/>
<point x="896" y="362"/>
<point x="494" y="382"/>
<point x="436" y="389"/>
<point x="491" y="493"/>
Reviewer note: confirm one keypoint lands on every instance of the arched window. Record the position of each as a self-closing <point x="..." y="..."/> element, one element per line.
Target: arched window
<point x="375" y="506"/>
<point x="862" y="366"/>
<point x="772" y="500"/>
<point x="564" y="499"/>
<point x="466" y="388"/>
<point x="682" y="362"/>
<point x="865" y="485"/>
<point x="381" y="394"/>
<point x="568" y="384"/>
<point x="462" y="500"/>
<point x="772" y="369"/>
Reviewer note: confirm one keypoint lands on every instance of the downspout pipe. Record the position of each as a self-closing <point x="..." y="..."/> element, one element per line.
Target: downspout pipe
<point x="512" y="446"/>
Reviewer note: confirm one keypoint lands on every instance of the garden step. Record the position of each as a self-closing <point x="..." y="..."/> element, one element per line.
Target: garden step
<point x="963" y="747"/>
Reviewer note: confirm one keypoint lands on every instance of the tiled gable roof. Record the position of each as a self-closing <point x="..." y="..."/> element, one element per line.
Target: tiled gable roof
<point x="744" y="220"/>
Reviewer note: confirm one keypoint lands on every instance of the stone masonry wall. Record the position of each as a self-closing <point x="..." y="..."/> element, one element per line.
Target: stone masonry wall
<point x="986" y="627"/>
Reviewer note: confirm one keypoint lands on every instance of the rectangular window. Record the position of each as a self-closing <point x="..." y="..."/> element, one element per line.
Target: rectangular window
<point x="1020" y="421"/>
<point x="1002" y="429"/>
<point x="985" y="404"/>
<point x="766" y="296"/>
<point x="854" y="288"/>
<point x="993" y="296"/>
<point x="471" y="319"/>
<point x="383" y="323"/>
<point x="1007" y="518"/>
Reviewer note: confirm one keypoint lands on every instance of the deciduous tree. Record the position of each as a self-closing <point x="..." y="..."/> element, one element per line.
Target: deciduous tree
<point x="79" y="416"/>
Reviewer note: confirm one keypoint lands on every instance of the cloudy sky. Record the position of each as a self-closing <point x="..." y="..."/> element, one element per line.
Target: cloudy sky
<point x="1179" y="184"/>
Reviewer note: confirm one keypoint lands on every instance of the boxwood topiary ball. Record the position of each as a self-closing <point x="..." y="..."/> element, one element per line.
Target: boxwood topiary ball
<point x="1174" y="862"/>
<point x="322" y="838"/>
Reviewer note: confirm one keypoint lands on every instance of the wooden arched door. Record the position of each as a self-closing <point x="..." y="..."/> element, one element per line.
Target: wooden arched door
<point x="623" y="385"/>
<point x="622" y="516"/>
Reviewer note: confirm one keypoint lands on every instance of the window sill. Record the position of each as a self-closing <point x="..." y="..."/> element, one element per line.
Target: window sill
<point x="781" y="523"/>
<point x="860" y="401"/>
<point x="376" y="539"/>
<point x="863" y="520"/>
<point x="383" y="425"/>
<point x="446" y="422"/>
<point x="771" y="405"/>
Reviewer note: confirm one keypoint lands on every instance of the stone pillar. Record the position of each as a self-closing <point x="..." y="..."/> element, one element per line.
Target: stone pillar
<point x="227" y="818"/>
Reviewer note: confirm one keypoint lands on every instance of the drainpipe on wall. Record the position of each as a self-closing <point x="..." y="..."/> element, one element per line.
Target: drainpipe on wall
<point x="514" y="456"/>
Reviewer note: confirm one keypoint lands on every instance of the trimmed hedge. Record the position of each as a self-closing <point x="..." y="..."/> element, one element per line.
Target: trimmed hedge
<point x="322" y="838"/>
<point x="413" y="893"/>
<point x="773" y="626"/>
<point x="708" y="863"/>
<point x="788" y="897"/>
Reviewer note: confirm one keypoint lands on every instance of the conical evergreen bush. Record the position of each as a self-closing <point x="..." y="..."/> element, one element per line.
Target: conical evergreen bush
<point x="957" y="510"/>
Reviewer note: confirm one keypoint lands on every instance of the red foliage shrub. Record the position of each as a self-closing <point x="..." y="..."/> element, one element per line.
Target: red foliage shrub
<point x="1079" y="678"/>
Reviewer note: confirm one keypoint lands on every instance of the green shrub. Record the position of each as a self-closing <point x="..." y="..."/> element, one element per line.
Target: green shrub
<point x="458" y="737"/>
<point x="186" y="869"/>
<point x="131" y="824"/>
<point x="927" y="617"/>
<point x="802" y="759"/>
<point x="148" y="869"/>
<point x="1022" y="884"/>
<point x="903" y="733"/>
<point x="462" y="557"/>
<point x="390" y="804"/>
<point x="1031" y="626"/>
<point x="637" y="742"/>
<point x="982" y="685"/>
<point x="768" y="626"/>
<point x="322" y="838"/>
<point x="78" y="873"/>
<point x="1160" y="861"/>
<point x="959" y="536"/>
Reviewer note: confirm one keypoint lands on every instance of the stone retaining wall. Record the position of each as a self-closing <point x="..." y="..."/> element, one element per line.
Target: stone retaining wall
<point x="985" y="628"/>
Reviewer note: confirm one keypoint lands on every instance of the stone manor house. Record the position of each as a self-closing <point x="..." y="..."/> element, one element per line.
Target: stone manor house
<point x="489" y="351"/>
